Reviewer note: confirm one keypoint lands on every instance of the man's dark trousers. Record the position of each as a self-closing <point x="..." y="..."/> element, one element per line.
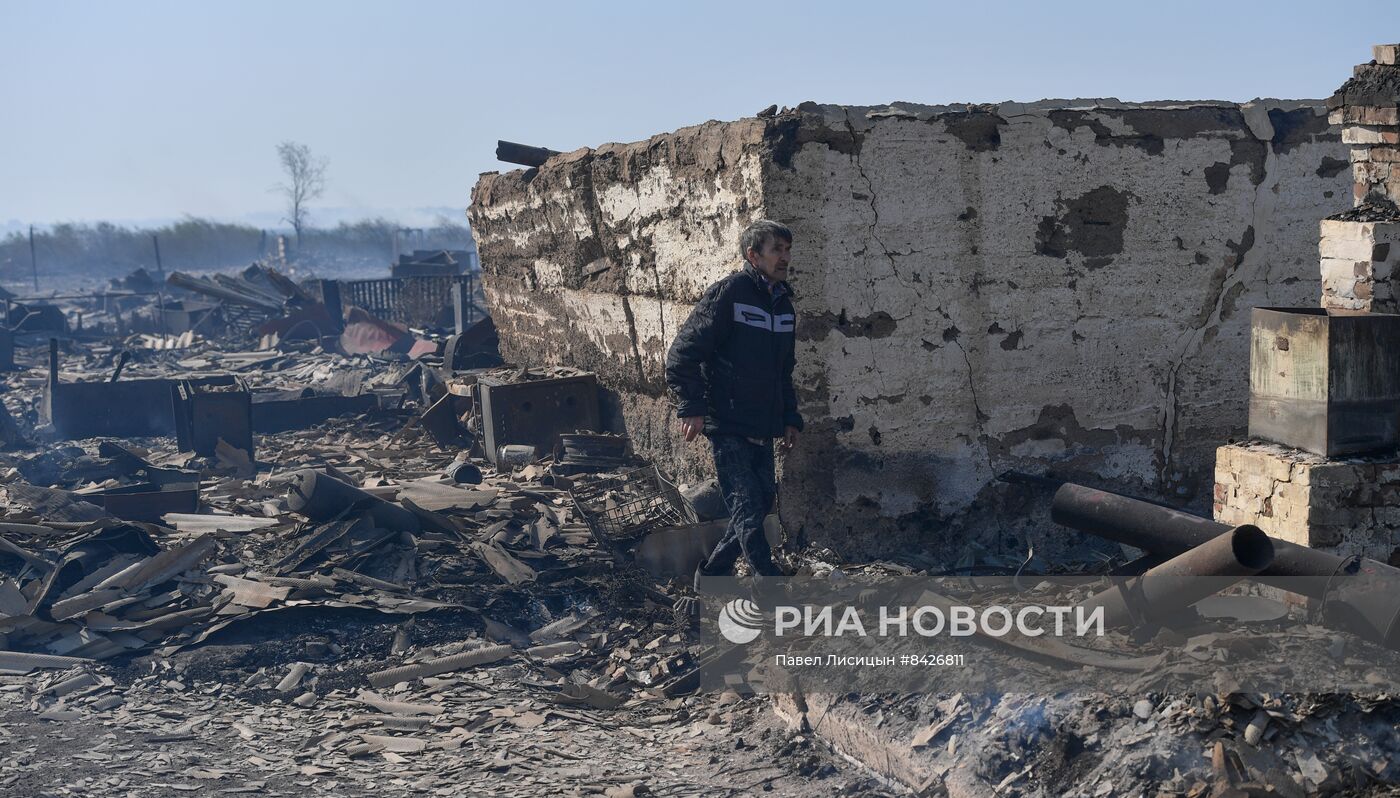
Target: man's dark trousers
<point x="745" y="471"/>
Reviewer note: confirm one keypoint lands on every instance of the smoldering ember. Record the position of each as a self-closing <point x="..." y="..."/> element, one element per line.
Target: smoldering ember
<point x="445" y="531"/>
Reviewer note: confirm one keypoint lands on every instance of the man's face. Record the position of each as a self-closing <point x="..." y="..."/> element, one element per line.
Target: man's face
<point x="773" y="260"/>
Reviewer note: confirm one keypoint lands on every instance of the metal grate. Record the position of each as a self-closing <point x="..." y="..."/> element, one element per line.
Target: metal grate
<point x="415" y="301"/>
<point x="630" y="504"/>
<point x="241" y="319"/>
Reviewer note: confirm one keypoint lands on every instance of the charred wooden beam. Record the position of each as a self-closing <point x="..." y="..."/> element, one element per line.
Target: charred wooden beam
<point x="523" y="154"/>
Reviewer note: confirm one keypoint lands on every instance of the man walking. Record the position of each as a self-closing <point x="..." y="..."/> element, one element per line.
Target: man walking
<point x="730" y="368"/>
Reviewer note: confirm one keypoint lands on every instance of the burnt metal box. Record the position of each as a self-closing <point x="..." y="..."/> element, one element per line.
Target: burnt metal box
<point x="206" y="413"/>
<point x="148" y="502"/>
<point x="1325" y="381"/>
<point x="535" y="412"/>
<point x="279" y="412"/>
<point x="122" y="409"/>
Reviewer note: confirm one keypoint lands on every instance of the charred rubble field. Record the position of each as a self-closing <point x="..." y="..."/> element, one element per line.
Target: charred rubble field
<point x="234" y="648"/>
<point x="360" y="603"/>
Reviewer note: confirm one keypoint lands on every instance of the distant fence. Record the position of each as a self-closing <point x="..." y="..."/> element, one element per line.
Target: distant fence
<point x="415" y="301"/>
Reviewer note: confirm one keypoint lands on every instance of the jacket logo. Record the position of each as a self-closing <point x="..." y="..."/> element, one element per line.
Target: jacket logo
<point x="762" y="319"/>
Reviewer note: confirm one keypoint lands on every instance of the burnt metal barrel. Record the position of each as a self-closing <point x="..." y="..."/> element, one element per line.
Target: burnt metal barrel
<point x="321" y="497"/>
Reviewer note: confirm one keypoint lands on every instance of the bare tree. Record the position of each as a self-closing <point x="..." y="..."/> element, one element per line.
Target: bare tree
<point x="306" y="181"/>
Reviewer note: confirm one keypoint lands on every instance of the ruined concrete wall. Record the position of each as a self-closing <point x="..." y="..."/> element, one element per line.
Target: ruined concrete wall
<point x="1023" y="288"/>
<point x="595" y="259"/>
<point x="1005" y="288"/>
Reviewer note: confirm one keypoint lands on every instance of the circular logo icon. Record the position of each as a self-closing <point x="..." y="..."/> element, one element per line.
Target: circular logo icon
<point x="740" y="621"/>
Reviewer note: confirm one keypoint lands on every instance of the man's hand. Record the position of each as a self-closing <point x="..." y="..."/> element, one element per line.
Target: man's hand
<point x="692" y="426"/>
<point x="789" y="438"/>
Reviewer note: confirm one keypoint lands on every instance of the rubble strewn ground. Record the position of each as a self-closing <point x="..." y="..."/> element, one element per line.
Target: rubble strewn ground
<point x="382" y="602"/>
<point x="268" y="678"/>
<point x="234" y="676"/>
<point x="1154" y="744"/>
<point x="193" y="728"/>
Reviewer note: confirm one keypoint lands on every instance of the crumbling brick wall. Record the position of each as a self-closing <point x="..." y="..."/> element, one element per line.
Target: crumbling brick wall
<point x="1058" y="286"/>
<point x="594" y="260"/>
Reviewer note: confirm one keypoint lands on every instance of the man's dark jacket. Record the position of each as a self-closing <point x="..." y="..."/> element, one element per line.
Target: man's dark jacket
<point x="732" y="361"/>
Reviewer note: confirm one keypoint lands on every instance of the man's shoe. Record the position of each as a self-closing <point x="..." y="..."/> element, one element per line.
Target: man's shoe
<point x="770" y="591"/>
<point x="701" y="574"/>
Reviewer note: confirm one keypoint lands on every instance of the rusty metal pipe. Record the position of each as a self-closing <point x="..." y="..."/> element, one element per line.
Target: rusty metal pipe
<point x="1162" y="530"/>
<point x="1362" y="595"/>
<point x="1164" y="591"/>
<point x="1150" y="527"/>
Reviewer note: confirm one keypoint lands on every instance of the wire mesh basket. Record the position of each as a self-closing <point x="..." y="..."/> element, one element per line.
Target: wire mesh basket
<point x="630" y="504"/>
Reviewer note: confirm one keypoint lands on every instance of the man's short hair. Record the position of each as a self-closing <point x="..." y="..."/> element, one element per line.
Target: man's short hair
<point x="758" y="234"/>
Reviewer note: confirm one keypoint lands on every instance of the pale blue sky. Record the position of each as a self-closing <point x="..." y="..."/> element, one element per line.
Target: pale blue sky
<point x="148" y="110"/>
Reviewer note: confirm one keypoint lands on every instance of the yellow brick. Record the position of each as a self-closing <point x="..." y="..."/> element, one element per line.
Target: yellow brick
<point x="1266" y="523"/>
<point x="1293" y="531"/>
<point x="1349" y="248"/>
<point x="1346" y="270"/>
<point x="1226" y="458"/>
<point x="1256" y="485"/>
<point x="1333" y="228"/>
<point x="1230" y="514"/>
<point x="1369" y="134"/>
<point x="1264" y="464"/>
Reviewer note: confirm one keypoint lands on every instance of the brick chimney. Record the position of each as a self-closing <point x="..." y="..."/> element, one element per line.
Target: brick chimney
<point x="1360" y="247"/>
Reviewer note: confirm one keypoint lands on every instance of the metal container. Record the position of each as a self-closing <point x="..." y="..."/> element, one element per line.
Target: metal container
<point x="148" y="502"/>
<point x="278" y="413"/>
<point x="464" y="473"/>
<point x="1325" y="381"/>
<point x="323" y="498"/>
<point x="206" y="413"/>
<point x="515" y="455"/>
<point x="535" y="412"/>
<point x="122" y="409"/>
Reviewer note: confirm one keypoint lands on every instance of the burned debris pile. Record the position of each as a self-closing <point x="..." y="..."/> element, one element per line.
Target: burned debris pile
<point x="435" y="561"/>
<point x="419" y="547"/>
<point x="422" y="562"/>
<point x="148" y="545"/>
<point x="259" y="304"/>
<point x="409" y="540"/>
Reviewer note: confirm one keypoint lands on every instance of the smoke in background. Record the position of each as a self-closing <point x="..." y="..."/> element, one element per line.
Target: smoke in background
<point x="75" y="253"/>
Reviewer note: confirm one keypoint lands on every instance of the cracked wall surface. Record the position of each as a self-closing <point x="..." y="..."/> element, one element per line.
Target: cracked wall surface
<point x="595" y="259"/>
<point x="1051" y="287"/>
